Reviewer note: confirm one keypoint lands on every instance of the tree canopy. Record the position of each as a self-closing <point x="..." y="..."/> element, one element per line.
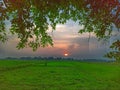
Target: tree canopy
<point x="30" y="19"/>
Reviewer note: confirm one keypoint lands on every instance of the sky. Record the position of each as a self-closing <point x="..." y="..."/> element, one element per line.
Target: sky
<point x="66" y="40"/>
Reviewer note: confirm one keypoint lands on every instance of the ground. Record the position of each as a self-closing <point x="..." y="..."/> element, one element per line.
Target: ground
<point x="58" y="75"/>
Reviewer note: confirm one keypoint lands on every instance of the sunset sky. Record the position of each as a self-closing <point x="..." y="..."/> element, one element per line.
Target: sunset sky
<point x="66" y="41"/>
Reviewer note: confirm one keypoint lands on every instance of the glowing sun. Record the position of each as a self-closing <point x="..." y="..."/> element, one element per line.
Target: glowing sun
<point x="66" y="54"/>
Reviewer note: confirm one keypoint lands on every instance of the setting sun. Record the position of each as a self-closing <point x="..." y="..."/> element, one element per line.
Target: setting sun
<point x="66" y="54"/>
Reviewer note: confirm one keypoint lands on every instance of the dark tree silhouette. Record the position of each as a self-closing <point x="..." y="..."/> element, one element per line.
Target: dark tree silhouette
<point x="30" y="19"/>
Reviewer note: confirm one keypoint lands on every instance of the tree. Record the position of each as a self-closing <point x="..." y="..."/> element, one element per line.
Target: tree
<point x="30" y="19"/>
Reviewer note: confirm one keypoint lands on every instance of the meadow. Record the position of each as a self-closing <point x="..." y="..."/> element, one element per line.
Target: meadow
<point x="58" y="75"/>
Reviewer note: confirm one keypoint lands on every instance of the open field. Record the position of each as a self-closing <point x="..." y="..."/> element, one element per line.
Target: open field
<point x="58" y="75"/>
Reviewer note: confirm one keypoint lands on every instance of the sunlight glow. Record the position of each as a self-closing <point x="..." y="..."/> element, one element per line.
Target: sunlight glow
<point x="66" y="54"/>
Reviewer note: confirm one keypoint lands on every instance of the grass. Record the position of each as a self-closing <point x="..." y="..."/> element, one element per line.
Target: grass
<point x="58" y="75"/>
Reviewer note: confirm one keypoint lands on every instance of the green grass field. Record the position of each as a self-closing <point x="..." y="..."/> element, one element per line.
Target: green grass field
<point x="58" y="75"/>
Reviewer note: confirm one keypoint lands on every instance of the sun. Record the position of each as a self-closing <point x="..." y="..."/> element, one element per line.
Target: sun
<point x="66" y="54"/>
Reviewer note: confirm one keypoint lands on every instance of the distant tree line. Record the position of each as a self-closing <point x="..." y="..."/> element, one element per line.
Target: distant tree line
<point x="58" y="58"/>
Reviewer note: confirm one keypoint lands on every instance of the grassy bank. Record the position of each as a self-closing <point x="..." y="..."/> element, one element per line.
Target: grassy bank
<point x="58" y="75"/>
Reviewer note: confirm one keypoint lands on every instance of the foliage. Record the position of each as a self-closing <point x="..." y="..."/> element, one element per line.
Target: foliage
<point x="30" y="19"/>
<point x="115" y="53"/>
